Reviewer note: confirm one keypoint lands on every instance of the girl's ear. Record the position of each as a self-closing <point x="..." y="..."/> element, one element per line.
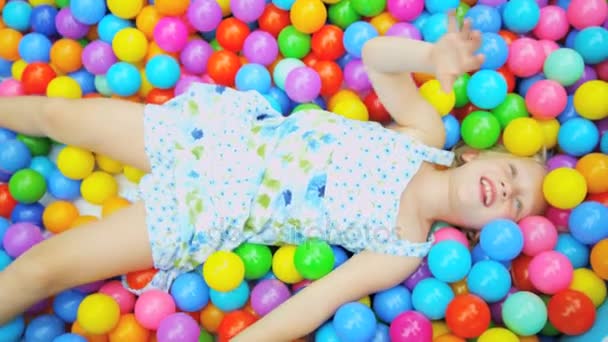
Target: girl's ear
<point x="469" y="155"/>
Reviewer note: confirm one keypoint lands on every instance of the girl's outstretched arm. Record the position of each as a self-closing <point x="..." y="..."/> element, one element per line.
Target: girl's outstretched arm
<point x="361" y="275"/>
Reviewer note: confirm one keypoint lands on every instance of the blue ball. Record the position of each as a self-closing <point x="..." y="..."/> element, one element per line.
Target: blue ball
<point x="253" y="76"/>
<point x="354" y="322"/>
<point x="356" y="35"/>
<point x="5" y="260"/>
<point x="342" y="61"/>
<point x="88" y="12"/>
<point x="35" y="47"/>
<point x="85" y="79"/>
<point x="388" y="304"/>
<point x="577" y="252"/>
<point x="5" y="68"/>
<point x="340" y="256"/>
<point x="326" y="333"/>
<point x="421" y="20"/>
<point x="42" y="20"/>
<point x="281" y="97"/>
<point x="44" y="328"/>
<point x="478" y="254"/>
<point x="569" y="112"/>
<point x="268" y="276"/>
<point x="28" y="213"/>
<point x="587" y="222"/>
<point x="16" y="15"/>
<point x="162" y="71"/>
<point x="190" y="292"/>
<point x="283" y="4"/>
<point x="4" y="224"/>
<point x="578" y="136"/>
<point x="452" y="131"/>
<point x="61" y="187"/>
<point x="6" y="134"/>
<point x="440" y="6"/>
<point x="435" y="27"/>
<point x="489" y="280"/>
<point x="487" y="89"/>
<point x="571" y="38"/>
<point x="13" y="330"/>
<point x="231" y="300"/>
<point x="592" y="44"/>
<point x="320" y="101"/>
<point x="124" y="79"/>
<point x="449" y="261"/>
<point x="484" y="18"/>
<point x="382" y="333"/>
<point x="431" y="298"/>
<point x="563" y="3"/>
<point x="526" y="83"/>
<point x="501" y="239"/>
<point x="66" y="303"/>
<point x="69" y="337"/>
<point x="495" y="49"/>
<point x="604" y="143"/>
<point x="521" y="16"/>
<point x="109" y="26"/>
<point x="14" y="156"/>
<point x="43" y="165"/>
<point x="274" y="104"/>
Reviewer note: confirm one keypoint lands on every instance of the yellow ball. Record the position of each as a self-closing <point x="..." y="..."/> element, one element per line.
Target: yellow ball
<point x="17" y="69"/>
<point x="98" y="314"/>
<point x="126" y="9"/>
<point x="564" y="188"/>
<point x="367" y="301"/>
<point x="130" y="45"/>
<point x="590" y="100"/>
<point x="283" y="265"/>
<point x="65" y="87"/>
<point x="75" y="163"/>
<point x="146" y="86"/>
<point x="133" y="174"/>
<point x="35" y="3"/>
<point x="225" y="6"/>
<point x="224" y="271"/>
<point x="108" y="164"/>
<point x="589" y="283"/>
<point x="308" y="16"/>
<point x="550" y="130"/>
<point x="352" y="109"/>
<point x="98" y="187"/>
<point x="498" y="335"/>
<point x="341" y="96"/>
<point x="112" y="205"/>
<point x="82" y="220"/>
<point x="383" y="22"/>
<point x="439" y="328"/>
<point x="441" y="101"/>
<point x="523" y="137"/>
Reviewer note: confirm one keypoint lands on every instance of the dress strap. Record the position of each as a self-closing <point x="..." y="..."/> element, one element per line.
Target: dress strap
<point x="435" y="155"/>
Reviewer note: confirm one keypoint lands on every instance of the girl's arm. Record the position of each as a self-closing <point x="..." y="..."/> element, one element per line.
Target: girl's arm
<point x="361" y="275"/>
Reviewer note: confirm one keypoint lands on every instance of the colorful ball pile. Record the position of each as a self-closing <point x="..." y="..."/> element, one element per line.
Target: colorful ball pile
<point x="544" y="85"/>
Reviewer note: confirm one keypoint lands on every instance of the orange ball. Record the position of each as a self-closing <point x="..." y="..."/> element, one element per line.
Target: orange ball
<point x="460" y="287"/>
<point x="154" y="49"/>
<point x="594" y="167"/>
<point x="211" y="317"/>
<point x="172" y="7"/>
<point x="66" y="55"/>
<point x="449" y="338"/>
<point x="59" y="216"/>
<point x="139" y="279"/>
<point x="528" y="338"/>
<point x="82" y="220"/>
<point x="146" y="20"/>
<point x="599" y="259"/>
<point x="113" y="204"/>
<point x="78" y="330"/>
<point x="128" y="329"/>
<point x="223" y="66"/>
<point x="383" y="22"/>
<point x="9" y="41"/>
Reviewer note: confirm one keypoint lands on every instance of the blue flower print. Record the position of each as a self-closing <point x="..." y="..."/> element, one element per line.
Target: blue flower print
<point x="289" y="126"/>
<point x="287" y="197"/>
<point x="197" y="133"/>
<point x="262" y="116"/>
<point x="328" y="139"/>
<point x="316" y="189"/>
<point x="193" y="174"/>
<point x="220" y="89"/>
<point x="313" y="145"/>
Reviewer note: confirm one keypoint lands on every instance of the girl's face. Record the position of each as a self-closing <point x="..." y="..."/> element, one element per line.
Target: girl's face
<point x="497" y="186"/>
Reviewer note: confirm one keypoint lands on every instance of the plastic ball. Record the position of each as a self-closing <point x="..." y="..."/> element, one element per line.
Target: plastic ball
<point x="10" y="38"/>
<point x="20" y="237"/>
<point x="524" y="313"/>
<point x="308" y="16"/>
<point x="441" y="101"/>
<point x="267" y="295"/>
<point x="14" y="155"/>
<point x="223" y="66"/>
<point x="233" y="323"/>
<point x="539" y="234"/>
<point x="130" y="45"/>
<point x="171" y="34"/>
<point x="230" y="300"/>
<point x="523" y="136"/>
<point x="495" y="50"/>
<point x="546" y="99"/>
<point x="450" y="233"/>
<point x="582" y="14"/>
<point x="128" y="329"/>
<point x="42" y="19"/>
<point x="498" y="334"/>
<point x="12" y="330"/>
<point x="410" y="326"/>
<point x="550" y="272"/>
<point x="260" y="47"/>
<point x="501" y="239"/>
<point x="405" y="10"/>
<point x="178" y="327"/>
<point x="223" y="271"/>
<point x="480" y="129"/>
<point x="571" y="312"/>
<point x="468" y="316"/>
<point x="526" y="57"/>
<point x="66" y="303"/>
<point x="124" y="298"/>
<point x="594" y="167"/>
<point x="449" y="261"/>
<point x="430" y="297"/>
<point x="586" y="222"/>
<point x="98" y="186"/>
<point x="591" y="43"/>
<point x="589" y="102"/>
<point x="98" y="57"/>
<point x="521" y="16"/>
<point x="125" y="9"/>
<point x="59" y="215"/>
<point x="162" y="71"/>
<point x="578" y="136"/>
<point x="253" y="76"/>
<point x="98" y="313"/>
<point x="564" y="66"/>
<point x="303" y="84"/>
<point x="152" y="307"/>
<point x="44" y="328"/>
<point x="27" y="186"/>
<point x="68" y="26"/>
<point x="34" y="47"/>
<point x="124" y="79"/>
<point x="356" y="35"/>
<point x="564" y="188"/>
<point x="489" y="280"/>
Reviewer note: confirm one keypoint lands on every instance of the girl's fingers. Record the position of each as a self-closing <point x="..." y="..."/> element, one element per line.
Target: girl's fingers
<point x="466" y="29"/>
<point x="452" y="22"/>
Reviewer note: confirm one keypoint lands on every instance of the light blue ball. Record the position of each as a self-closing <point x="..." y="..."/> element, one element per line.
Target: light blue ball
<point x="102" y="86"/>
<point x="61" y="187"/>
<point x="435" y="27"/>
<point x="382" y="333"/>
<point x="599" y="330"/>
<point x="495" y="49"/>
<point x="521" y="16"/>
<point x="452" y="131"/>
<point x="43" y="165"/>
<point x="356" y="35"/>
<point x="124" y="79"/>
<point x="571" y="38"/>
<point x="230" y="300"/>
<point x="592" y="44"/>
<point x="587" y="222"/>
<point x="190" y="292"/>
<point x="487" y="89"/>
<point x="604" y="143"/>
<point x="501" y="239"/>
<point x="283" y="68"/>
<point x="577" y="252"/>
<point x="109" y="26"/>
<point x="526" y="83"/>
<point x="421" y="20"/>
<point x="478" y="254"/>
<point x="85" y="79"/>
<point x="88" y="11"/>
<point x="449" y="261"/>
<point x="35" y="47"/>
<point x="5" y="67"/>
<point x="484" y="18"/>
<point x="4" y="224"/>
<point x="326" y="333"/>
<point x="282" y="99"/>
<point x="439" y="6"/>
<point x="388" y="304"/>
<point x="69" y="337"/>
<point x="16" y="15"/>
<point x="5" y="260"/>
<point x="283" y="4"/>
<point x="162" y="71"/>
<point x="354" y="322"/>
<point x="253" y="76"/>
<point x="578" y="136"/>
<point x="13" y="330"/>
<point x="489" y="280"/>
<point x="431" y="298"/>
<point x="14" y="156"/>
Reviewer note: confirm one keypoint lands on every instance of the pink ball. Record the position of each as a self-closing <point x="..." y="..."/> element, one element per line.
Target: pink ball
<point x="548" y="46"/>
<point x="552" y="24"/>
<point x="171" y="34"/>
<point x="602" y="70"/>
<point x="411" y="326"/>
<point x="450" y="233"/>
<point x="539" y="235"/>
<point x="152" y="307"/>
<point x="585" y="13"/>
<point x="546" y="99"/>
<point x="526" y="57"/>
<point x="405" y="10"/>
<point x="124" y="298"/>
<point x="559" y="218"/>
<point x="11" y="87"/>
<point x="550" y="272"/>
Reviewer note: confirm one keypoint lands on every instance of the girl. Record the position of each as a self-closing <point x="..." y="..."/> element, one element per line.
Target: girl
<point x="225" y="168"/>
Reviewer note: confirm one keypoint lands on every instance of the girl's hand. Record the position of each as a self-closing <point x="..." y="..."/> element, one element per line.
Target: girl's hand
<point x="454" y="55"/>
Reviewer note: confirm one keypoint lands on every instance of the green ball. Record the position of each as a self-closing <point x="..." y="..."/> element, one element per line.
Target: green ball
<point x="83" y="42"/>
<point x="38" y="146"/>
<point x="438" y="225"/>
<point x="306" y="106"/>
<point x="205" y="336"/>
<point x="565" y="66"/>
<point x="257" y="259"/>
<point x="524" y="322"/>
<point x="480" y="129"/>
<point x="460" y="90"/>
<point x="549" y="329"/>
<point x="314" y="259"/>
<point x="293" y="43"/>
<point x="62" y="3"/>
<point x="343" y="14"/>
<point x="513" y="107"/>
<point x="461" y="11"/>
<point x="369" y="8"/>
<point x="215" y="45"/>
<point x="27" y="186"/>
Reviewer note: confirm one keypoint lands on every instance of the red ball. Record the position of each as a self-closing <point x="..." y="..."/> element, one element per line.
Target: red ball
<point x="310" y="60"/>
<point x="331" y="77"/>
<point x="139" y="279"/>
<point x="7" y="202"/>
<point x="159" y="96"/>
<point x="520" y="273"/>
<point x="36" y="77"/>
<point x="508" y="76"/>
<point x="508" y="36"/>
<point x="222" y="67"/>
<point x="601" y="197"/>
<point x="571" y="312"/>
<point x="327" y="43"/>
<point x="376" y="109"/>
<point x="233" y="323"/>
<point x="231" y="34"/>
<point x="468" y="316"/>
<point x="273" y="20"/>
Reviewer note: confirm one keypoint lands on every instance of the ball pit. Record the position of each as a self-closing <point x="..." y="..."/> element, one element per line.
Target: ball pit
<point x="543" y="85"/>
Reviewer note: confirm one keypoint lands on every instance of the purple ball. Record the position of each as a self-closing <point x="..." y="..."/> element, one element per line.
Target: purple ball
<point x="406" y="30"/>
<point x="561" y="160"/>
<point x="195" y="55"/>
<point x="496" y="308"/>
<point x="39" y="307"/>
<point x="20" y="237"/>
<point x="204" y="15"/>
<point x="267" y="295"/>
<point x="602" y="125"/>
<point x="420" y="274"/>
<point x="68" y="26"/>
<point x="90" y="287"/>
<point x="260" y="47"/>
<point x="247" y="10"/>
<point x="493" y="3"/>
<point x="178" y="327"/>
<point x="303" y="84"/>
<point x="588" y="75"/>
<point x="355" y="76"/>
<point x="98" y="57"/>
<point x="184" y="83"/>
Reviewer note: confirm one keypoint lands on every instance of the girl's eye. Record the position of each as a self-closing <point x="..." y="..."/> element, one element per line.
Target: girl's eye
<point x="518" y="205"/>
<point x="513" y="170"/>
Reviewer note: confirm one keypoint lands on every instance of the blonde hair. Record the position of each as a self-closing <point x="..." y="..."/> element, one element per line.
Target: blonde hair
<point x="497" y="150"/>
